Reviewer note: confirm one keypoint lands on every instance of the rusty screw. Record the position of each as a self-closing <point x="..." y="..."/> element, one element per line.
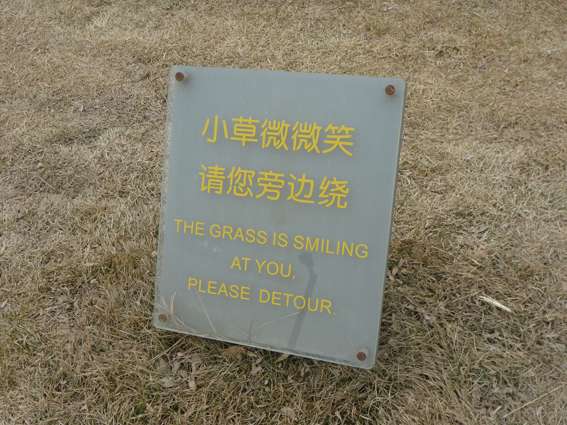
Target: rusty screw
<point x="162" y="317"/>
<point x="361" y="355"/>
<point x="179" y="76"/>
<point x="390" y="90"/>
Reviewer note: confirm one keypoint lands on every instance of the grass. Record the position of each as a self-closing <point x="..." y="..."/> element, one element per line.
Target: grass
<point x="481" y="212"/>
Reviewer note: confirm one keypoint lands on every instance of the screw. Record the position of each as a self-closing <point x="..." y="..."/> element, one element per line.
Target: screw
<point x="361" y="355"/>
<point x="162" y="317"/>
<point x="390" y="90"/>
<point x="179" y="76"/>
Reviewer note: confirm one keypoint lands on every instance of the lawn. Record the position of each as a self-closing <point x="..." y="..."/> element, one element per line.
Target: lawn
<point x="474" y="327"/>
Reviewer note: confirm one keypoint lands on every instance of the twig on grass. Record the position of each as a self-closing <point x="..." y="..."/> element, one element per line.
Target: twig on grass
<point x="534" y="400"/>
<point x="167" y="350"/>
<point x="495" y="303"/>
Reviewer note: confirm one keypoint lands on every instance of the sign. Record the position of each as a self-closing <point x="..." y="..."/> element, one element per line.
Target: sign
<point x="277" y="209"/>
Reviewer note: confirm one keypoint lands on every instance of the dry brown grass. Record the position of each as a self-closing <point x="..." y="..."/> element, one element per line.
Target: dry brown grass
<point x="482" y="211"/>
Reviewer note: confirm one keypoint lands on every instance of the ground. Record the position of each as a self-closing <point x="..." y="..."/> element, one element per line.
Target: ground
<point x="481" y="212"/>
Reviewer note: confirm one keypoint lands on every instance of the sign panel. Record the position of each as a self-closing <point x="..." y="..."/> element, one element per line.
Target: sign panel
<point x="277" y="208"/>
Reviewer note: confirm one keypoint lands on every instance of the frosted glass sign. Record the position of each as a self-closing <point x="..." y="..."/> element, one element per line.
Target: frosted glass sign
<point x="277" y="208"/>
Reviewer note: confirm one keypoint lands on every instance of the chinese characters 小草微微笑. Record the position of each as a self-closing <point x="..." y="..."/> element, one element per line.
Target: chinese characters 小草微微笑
<point x="281" y="135"/>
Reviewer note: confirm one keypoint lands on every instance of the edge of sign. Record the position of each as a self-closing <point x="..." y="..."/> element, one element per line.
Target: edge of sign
<point x="163" y="196"/>
<point x="175" y="68"/>
<point x="392" y="214"/>
<point x="366" y="366"/>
